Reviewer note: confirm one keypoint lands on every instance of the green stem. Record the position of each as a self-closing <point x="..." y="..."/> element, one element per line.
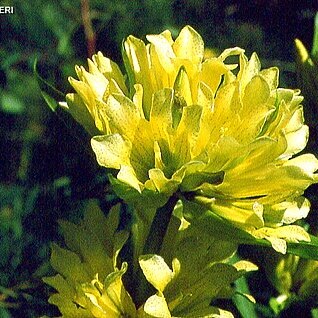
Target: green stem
<point x="159" y="227"/>
<point x="153" y="245"/>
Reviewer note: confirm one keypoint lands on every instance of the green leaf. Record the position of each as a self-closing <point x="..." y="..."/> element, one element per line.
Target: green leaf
<point x="4" y="313"/>
<point x="50" y="94"/>
<point x="51" y="102"/>
<point x="242" y="303"/>
<point x="11" y="104"/>
<point x="314" y="50"/>
<point x="305" y="249"/>
<point x="244" y="306"/>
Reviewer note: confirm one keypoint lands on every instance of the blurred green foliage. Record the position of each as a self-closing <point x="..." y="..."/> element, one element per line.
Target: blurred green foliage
<point x="47" y="170"/>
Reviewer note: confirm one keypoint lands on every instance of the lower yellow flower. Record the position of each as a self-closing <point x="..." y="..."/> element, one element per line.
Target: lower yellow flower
<point x="90" y="283"/>
<point x="91" y="258"/>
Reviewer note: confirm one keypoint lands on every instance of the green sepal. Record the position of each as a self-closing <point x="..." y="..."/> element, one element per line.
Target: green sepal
<point x="146" y="199"/>
<point x="130" y="73"/>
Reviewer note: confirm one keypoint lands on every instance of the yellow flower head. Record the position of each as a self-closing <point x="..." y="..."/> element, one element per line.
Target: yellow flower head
<point x="190" y="125"/>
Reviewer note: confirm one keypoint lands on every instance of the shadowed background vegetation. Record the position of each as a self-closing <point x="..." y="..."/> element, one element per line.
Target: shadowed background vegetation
<point x="47" y="171"/>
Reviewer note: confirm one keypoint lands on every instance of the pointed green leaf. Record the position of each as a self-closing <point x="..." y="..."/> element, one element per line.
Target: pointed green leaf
<point x="314" y="51"/>
<point x="50" y="94"/>
<point x="305" y="249"/>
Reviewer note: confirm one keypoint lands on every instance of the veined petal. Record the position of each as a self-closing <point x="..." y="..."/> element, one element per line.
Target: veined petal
<point x="162" y="184"/>
<point x="296" y="140"/>
<point x="211" y="73"/>
<point x="85" y="92"/>
<point x="246" y="214"/>
<point x="115" y="295"/>
<point x="142" y="156"/>
<point x="111" y="151"/>
<point x="97" y="82"/>
<point x="156" y="271"/>
<point x="137" y="54"/>
<point x="109" y="69"/>
<point x="205" y="97"/>
<point x="308" y="164"/>
<point x="279" y="236"/>
<point x="186" y="134"/>
<point x="156" y="306"/>
<point x="127" y="175"/>
<point x="160" y="115"/>
<point x="182" y="86"/>
<point x="288" y="212"/>
<point x="250" y="69"/>
<point x="123" y="115"/>
<point x="164" y="49"/>
<point x="189" y="45"/>
<point x="271" y="76"/>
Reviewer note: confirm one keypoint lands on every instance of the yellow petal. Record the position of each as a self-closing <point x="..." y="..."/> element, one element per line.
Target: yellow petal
<point x="160" y="115"/>
<point x="211" y="74"/>
<point x="81" y="113"/>
<point x="271" y="76"/>
<point x="182" y="87"/>
<point x="110" y="70"/>
<point x="156" y="271"/>
<point x="156" y="306"/>
<point x="137" y="54"/>
<point x="123" y="115"/>
<point x="128" y="175"/>
<point x="111" y="151"/>
<point x="115" y="295"/>
<point x="245" y="266"/>
<point x="189" y="45"/>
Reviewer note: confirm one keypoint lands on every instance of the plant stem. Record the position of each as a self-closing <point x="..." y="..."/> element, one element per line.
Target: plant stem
<point x="158" y="229"/>
<point x="88" y="27"/>
<point x="159" y="226"/>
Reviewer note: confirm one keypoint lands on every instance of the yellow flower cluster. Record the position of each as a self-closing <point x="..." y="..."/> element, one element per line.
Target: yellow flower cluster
<point x="201" y="126"/>
<point x="91" y="281"/>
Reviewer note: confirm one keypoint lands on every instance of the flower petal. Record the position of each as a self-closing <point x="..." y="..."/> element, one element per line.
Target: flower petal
<point x="111" y="151"/>
<point x="156" y="271"/>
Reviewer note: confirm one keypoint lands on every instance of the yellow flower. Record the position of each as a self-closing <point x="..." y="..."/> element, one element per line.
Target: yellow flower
<point x="188" y="125"/>
<point x="90" y="284"/>
<point x="198" y="276"/>
<point x="292" y="275"/>
<point x="91" y="257"/>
